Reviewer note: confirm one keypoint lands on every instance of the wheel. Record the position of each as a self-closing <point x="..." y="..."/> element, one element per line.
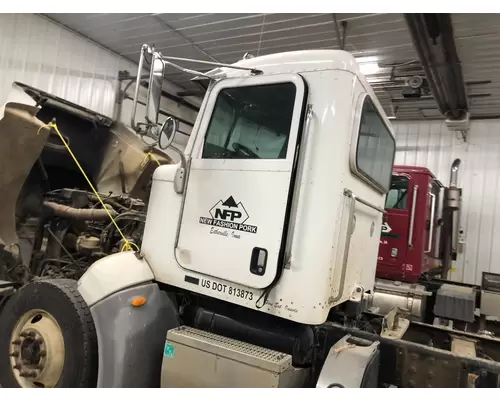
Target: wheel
<point x="48" y="338"/>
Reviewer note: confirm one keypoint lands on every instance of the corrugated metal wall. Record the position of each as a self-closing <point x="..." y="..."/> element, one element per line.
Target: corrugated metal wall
<point x="432" y="145"/>
<point x="40" y="53"/>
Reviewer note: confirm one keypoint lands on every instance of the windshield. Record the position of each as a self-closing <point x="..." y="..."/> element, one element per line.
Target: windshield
<point x="397" y="196"/>
<point x="251" y="122"/>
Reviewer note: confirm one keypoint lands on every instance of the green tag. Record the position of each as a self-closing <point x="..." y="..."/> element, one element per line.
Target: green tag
<point x="169" y="350"/>
<point x="391" y="235"/>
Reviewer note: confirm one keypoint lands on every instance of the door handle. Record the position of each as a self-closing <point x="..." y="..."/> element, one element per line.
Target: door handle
<point x="431" y="231"/>
<point x="412" y="215"/>
<point x="258" y="261"/>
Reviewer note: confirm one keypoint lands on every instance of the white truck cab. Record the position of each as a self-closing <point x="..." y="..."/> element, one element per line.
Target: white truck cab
<point x="265" y="207"/>
<point x="277" y="205"/>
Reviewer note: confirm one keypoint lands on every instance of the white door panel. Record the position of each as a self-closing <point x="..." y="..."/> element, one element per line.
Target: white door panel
<point x="226" y="221"/>
<point x="238" y="188"/>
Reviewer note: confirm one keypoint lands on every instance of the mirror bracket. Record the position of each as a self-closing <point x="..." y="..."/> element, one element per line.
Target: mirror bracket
<point x="181" y="173"/>
<point x="179" y="180"/>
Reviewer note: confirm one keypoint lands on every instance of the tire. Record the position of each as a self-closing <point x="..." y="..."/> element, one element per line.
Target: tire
<point x="58" y="300"/>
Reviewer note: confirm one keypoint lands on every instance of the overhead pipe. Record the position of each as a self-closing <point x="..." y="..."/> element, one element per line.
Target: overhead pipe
<point x="433" y="38"/>
<point x="419" y="35"/>
<point x="456" y="83"/>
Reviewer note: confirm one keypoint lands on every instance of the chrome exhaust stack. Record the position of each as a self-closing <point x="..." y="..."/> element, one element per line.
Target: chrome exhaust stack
<point x="454" y="173"/>
<point x="452" y="193"/>
<point x="451" y="219"/>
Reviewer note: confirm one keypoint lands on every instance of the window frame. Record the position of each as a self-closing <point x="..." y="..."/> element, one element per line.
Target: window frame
<point x="355" y="144"/>
<point x="291" y="120"/>
<point x="208" y="110"/>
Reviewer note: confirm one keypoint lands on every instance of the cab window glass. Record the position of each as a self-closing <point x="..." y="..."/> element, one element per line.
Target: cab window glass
<point x="397" y="197"/>
<point x="251" y="122"/>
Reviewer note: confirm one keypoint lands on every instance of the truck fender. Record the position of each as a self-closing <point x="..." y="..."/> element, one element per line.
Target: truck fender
<point x="112" y="274"/>
<point x="131" y="316"/>
<point x="352" y="362"/>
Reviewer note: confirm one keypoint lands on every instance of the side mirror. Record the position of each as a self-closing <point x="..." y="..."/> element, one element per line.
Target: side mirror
<point x="154" y="89"/>
<point x="167" y="133"/>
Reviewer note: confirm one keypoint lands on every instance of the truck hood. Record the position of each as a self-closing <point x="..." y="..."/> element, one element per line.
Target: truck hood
<point x="112" y="155"/>
<point x="20" y="147"/>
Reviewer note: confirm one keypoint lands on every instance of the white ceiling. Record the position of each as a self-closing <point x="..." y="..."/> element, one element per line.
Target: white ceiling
<point x="373" y="38"/>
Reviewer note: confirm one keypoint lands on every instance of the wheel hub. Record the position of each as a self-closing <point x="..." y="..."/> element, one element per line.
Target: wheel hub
<point x="31" y="348"/>
<point x="37" y="350"/>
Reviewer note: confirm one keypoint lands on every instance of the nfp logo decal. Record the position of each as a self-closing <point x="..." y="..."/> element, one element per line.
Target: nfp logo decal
<point x="229" y="214"/>
<point x="386" y="231"/>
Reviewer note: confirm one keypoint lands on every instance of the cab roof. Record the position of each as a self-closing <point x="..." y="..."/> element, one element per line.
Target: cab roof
<point x="411" y="169"/>
<point x="304" y="60"/>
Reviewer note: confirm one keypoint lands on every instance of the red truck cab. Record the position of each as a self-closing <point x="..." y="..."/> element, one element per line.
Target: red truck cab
<point x="408" y="241"/>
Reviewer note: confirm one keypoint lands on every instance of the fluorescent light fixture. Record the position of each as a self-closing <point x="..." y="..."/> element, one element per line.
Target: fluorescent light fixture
<point x="369" y="68"/>
<point x="391" y="117"/>
<point x="368" y="65"/>
<point x="367" y="59"/>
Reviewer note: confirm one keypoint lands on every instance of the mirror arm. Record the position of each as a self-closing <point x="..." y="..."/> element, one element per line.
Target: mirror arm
<point x="186" y="70"/>
<point x="218" y="64"/>
<point x="144" y="48"/>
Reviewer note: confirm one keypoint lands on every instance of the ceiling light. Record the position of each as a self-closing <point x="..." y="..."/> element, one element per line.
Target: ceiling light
<point x="367" y="59"/>
<point x="369" y="68"/>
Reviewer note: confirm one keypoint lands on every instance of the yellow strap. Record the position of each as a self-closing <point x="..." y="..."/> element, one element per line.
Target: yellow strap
<point x="127" y="246"/>
<point x="152" y="156"/>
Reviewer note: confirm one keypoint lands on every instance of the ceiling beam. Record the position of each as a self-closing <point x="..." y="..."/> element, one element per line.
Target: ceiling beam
<point x="434" y="41"/>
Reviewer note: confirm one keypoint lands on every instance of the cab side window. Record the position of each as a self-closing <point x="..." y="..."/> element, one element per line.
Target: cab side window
<point x="376" y="147"/>
<point x="397" y="197"/>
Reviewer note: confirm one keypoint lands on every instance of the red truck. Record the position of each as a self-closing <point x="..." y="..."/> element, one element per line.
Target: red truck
<point x="409" y="242"/>
<point x="418" y="242"/>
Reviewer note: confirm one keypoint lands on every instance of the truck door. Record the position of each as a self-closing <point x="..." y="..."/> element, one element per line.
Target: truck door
<point x="240" y="181"/>
<point x="397" y="228"/>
